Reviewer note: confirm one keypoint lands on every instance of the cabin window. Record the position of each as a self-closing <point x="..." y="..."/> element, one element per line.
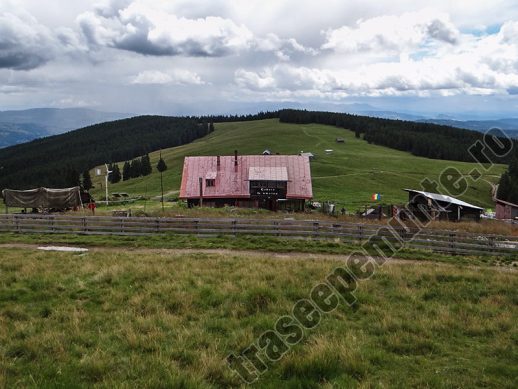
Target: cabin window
<point x="210" y="182"/>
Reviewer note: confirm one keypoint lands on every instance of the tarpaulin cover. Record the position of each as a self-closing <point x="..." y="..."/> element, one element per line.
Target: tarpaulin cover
<point x="42" y="198"/>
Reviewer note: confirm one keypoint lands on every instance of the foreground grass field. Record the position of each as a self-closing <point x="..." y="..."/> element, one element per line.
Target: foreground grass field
<point x="162" y="318"/>
<point x="349" y="176"/>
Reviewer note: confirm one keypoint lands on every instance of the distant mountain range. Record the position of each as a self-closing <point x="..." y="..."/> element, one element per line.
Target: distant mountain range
<point x="26" y="125"/>
<point x="507" y="125"/>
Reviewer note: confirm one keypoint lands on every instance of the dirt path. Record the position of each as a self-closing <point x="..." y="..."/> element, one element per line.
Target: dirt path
<point x="170" y="193"/>
<point x="250" y="254"/>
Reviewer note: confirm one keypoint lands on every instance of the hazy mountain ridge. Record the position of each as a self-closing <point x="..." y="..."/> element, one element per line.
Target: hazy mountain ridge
<point x="507" y="125"/>
<point x="23" y="126"/>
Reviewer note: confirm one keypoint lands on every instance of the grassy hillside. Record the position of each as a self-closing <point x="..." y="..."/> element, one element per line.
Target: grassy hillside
<point x="350" y="175"/>
<point x="164" y="318"/>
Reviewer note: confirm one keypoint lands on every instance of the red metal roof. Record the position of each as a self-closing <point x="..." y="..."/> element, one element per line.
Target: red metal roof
<point x="233" y="182"/>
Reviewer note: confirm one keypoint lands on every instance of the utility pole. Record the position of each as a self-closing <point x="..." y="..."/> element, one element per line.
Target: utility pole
<point x="162" y="187"/>
<point x="106" y="177"/>
<point x="161" y="167"/>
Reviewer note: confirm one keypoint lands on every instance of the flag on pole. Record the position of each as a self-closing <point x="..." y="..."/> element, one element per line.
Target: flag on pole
<point x="376" y="196"/>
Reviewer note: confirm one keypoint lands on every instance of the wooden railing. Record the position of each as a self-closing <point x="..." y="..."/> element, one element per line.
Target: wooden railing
<point x="427" y="239"/>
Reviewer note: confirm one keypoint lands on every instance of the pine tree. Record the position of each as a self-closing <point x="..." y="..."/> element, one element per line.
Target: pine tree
<point x="513" y="193"/>
<point x="72" y="177"/>
<point x="161" y="166"/>
<point x="513" y="168"/>
<point x="146" y="167"/>
<point x="116" y="174"/>
<point x="211" y="127"/>
<point x="110" y="175"/>
<point x="508" y="185"/>
<point x="136" y="168"/>
<point x="504" y="187"/>
<point x="87" y="180"/>
<point x="126" y="171"/>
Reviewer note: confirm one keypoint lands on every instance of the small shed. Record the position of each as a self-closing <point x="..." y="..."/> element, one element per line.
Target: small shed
<point x="340" y="140"/>
<point x="435" y="206"/>
<point x="311" y="156"/>
<point x="267" y="152"/>
<point x="506" y="210"/>
<point x="373" y="213"/>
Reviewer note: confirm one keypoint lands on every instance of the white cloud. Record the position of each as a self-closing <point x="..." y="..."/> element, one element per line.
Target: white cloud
<point x="144" y="29"/>
<point x="445" y="76"/>
<point x="434" y="58"/>
<point x="393" y="33"/>
<point x="152" y="29"/>
<point x="255" y="81"/>
<point x="257" y="50"/>
<point x="282" y="48"/>
<point x="178" y="77"/>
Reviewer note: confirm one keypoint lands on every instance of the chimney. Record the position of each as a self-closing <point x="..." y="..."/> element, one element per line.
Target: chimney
<point x="235" y="157"/>
<point x="218" y="161"/>
<point x="201" y="191"/>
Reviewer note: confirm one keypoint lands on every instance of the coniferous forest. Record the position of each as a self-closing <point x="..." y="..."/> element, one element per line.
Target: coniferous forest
<point x="57" y="161"/>
<point x="508" y="185"/>
<point x="421" y="139"/>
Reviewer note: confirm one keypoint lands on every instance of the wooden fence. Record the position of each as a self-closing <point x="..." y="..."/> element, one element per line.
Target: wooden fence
<point x="427" y="239"/>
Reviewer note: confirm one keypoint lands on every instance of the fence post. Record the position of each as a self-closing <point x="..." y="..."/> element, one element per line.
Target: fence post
<point x="336" y="231"/>
<point x="234" y="227"/>
<point x="276" y="224"/>
<point x="403" y="234"/>
<point x="17" y="224"/>
<point x="452" y="241"/>
<point x="315" y="229"/>
<point x="85" y="228"/>
<point x="360" y="232"/>
<point x="157" y="224"/>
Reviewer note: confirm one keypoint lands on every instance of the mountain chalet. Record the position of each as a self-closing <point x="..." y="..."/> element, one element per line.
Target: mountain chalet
<point x="274" y="182"/>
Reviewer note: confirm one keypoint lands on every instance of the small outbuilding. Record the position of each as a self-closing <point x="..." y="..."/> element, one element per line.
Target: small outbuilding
<point x="340" y="140"/>
<point x="311" y="156"/>
<point x="506" y="210"/>
<point x="373" y="213"/>
<point x="435" y="206"/>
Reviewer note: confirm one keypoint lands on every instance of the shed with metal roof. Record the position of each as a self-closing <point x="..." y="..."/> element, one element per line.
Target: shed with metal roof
<point x="436" y="206"/>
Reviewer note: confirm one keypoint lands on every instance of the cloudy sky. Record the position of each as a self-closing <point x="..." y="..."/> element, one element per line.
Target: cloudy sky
<point x="180" y="57"/>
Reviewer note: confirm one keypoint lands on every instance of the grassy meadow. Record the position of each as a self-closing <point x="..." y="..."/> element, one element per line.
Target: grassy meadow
<point x="166" y="318"/>
<point x="349" y="176"/>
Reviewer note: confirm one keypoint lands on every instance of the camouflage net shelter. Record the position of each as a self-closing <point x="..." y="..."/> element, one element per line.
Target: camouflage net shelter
<point x="43" y="198"/>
